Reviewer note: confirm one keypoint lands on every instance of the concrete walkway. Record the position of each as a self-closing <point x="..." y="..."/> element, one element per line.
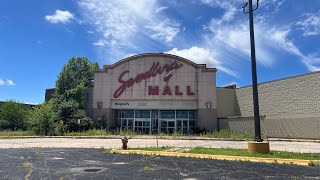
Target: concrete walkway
<point x="116" y="143"/>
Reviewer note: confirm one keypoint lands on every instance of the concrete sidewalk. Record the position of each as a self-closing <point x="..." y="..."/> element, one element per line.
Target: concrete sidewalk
<point x="312" y="147"/>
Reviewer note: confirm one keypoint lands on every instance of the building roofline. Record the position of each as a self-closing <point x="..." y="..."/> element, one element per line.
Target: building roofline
<point x="290" y="77"/>
<point x="130" y="58"/>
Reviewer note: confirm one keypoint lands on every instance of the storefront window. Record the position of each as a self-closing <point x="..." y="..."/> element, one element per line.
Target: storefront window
<point x="182" y="114"/>
<point x="127" y="113"/>
<point x="147" y="121"/>
<point x="142" y="114"/>
<point x="169" y="114"/>
<point x="192" y="114"/>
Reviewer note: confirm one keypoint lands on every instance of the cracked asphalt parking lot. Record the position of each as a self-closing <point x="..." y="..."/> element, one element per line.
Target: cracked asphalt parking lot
<point x="80" y="163"/>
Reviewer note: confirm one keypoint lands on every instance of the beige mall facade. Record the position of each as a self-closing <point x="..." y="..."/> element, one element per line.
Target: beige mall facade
<point x="156" y="92"/>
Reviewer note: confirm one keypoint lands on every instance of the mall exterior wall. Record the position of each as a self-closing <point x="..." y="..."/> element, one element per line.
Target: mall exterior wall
<point x="131" y="84"/>
<point x="291" y="107"/>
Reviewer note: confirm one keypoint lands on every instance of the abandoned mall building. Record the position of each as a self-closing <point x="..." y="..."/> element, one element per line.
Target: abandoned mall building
<point x="157" y="92"/>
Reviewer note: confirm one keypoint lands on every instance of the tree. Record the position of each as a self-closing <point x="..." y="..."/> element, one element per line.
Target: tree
<point x="76" y="76"/>
<point x="41" y="119"/>
<point x="69" y="100"/>
<point x="13" y="115"/>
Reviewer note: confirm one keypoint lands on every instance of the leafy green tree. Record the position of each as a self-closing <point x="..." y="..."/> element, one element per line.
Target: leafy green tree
<point x="41" y="119"/>
<point x="69" y="100"/>
<point x="76" y="76"/>
<point x="13" y="115"/>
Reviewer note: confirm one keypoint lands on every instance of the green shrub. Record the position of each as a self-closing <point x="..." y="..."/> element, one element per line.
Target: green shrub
<point x="41" y="120"/>
<point x="13" y="115"/>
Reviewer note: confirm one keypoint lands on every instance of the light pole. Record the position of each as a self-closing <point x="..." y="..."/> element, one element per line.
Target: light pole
<point x="257" y="129"/>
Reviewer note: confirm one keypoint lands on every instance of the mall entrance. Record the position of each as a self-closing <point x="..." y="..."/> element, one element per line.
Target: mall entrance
<point x="156" y="121"/>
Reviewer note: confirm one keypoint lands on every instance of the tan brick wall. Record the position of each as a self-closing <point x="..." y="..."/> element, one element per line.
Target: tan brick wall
<point x="291" y="107"/>
<point x="304" y="128"/>
<point x="227" y="105"/>
<point x="296" y="95"/>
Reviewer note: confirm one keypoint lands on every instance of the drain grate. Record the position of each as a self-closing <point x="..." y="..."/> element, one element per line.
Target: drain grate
<point x="92" y="170"/>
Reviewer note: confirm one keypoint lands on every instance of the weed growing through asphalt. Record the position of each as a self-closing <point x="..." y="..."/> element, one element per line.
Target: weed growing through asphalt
<point x="148" y="168"/>
<point x="39" y="154"/>
<point x="313" y="163"/>
<point x="29" y="169"/>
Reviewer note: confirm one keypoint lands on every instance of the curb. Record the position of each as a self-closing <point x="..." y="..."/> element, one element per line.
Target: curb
<point x="221" y="157"/>
<point x="154" y="137"/>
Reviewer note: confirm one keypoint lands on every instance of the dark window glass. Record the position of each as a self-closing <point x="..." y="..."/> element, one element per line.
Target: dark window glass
<point x="167" y="114"/>
<point x="192" y="115"/>
<point x="127" y="114"/>
<point x="182" y="114"/>
<point x="142" y="114"/>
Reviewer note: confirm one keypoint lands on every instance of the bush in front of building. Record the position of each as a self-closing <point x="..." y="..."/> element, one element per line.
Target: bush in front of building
<point x="41" y="119"/>
<point x="13" y="115"/>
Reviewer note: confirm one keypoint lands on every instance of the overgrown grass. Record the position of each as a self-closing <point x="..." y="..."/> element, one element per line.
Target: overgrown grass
<point x="92" y="132"/>
<point x="17" y="133"/>
<point x="227" y="134"/>
<point x="102" y="132"/>
<point x="164" y="148"/>
<point x="244" y="152"/>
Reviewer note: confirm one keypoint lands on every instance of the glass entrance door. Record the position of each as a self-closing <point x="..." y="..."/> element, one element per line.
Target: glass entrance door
<point x="167" y="126"/>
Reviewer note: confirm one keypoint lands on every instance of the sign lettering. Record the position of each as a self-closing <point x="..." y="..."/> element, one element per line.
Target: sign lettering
<point x="153" y="71"/>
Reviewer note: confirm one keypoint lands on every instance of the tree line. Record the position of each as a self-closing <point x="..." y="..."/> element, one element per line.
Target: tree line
<point x="65" y="112"/>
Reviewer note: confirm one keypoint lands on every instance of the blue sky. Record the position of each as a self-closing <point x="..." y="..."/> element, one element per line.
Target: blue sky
<point x="38" y="37"/>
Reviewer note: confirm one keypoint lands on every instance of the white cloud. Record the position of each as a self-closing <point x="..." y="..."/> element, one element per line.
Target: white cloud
<point x="60" y="17"/>
<point x="99" y="43"/>
<point x="230" y="11"/>
<point x="165" y="30"/>
<point x="202" y="56"/>
<point x="161" y="9"/>
<point x="231" y="35"/>
<point x="310" y="25"/>
<point x="8" y="82"/>
<point x="123" y="25"/>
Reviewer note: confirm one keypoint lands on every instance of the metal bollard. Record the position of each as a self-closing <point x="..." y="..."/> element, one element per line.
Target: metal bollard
<point x="124" y="143"/>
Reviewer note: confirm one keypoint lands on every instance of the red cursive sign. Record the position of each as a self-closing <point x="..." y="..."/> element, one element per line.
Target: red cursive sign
<point x="154" y="71"/>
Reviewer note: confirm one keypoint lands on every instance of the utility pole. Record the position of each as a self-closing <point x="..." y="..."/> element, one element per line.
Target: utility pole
<point x="257" y="129"/>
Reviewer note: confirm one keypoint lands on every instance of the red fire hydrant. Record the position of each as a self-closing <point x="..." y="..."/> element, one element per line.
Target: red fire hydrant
<point x="124" y="143"/>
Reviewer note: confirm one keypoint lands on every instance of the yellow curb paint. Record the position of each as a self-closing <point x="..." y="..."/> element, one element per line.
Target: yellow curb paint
<point x="220" y="157"/>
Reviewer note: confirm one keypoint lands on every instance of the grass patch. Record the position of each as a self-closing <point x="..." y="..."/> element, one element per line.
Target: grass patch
<point x="244" y="152"/>
<point x="92" y="132"/>
<point x="17" y="133"/>
<point x="107" y="151"/>
<point x="148" y="168"/>
<point x="29" y="169"/>
<point x="164" y="148"/>
<point x="227" y="134"/>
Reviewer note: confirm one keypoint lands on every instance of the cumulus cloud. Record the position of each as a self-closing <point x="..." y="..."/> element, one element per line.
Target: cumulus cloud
<point x="310" y="24"/>
<point x="8" y="82"/>
<point x="201" y="56"/>
<point x="60" y="17"/>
